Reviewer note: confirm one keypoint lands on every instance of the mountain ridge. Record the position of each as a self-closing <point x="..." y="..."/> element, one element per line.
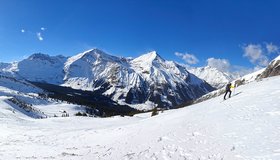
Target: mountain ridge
<point x="147" y="78"/>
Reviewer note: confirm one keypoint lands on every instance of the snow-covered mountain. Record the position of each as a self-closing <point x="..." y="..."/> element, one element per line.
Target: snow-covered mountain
<point x="213" y="76"/>
<point x="168" y="81"/>
<point x="94" y="69"/>
<point x="41" y="67"/>
<point x="245" y="126"/>
<point x="148" y="78"/>
<point x="37" y="67"/>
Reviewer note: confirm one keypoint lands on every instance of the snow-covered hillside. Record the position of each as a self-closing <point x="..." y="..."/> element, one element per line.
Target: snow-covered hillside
<point x="22" y="98"/>
<point x="245" y="126"/>
<point x="213" y="76"/>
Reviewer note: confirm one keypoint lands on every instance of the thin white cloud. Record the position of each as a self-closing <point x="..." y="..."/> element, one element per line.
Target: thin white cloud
<point x="271" y="48"/>
<point x="39" y="36"/>
<point x="22" y="30"/>
<point x="43" y="28"/>
<point x="188" y="58"/>
<point x="256" y="54"/>
<point x="221" y="64"/>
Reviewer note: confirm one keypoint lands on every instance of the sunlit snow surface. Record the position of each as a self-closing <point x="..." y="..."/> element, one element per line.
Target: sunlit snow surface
<point x="246" y="126"/>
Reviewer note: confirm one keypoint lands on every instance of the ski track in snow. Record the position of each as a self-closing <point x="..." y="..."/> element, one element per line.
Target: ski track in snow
<point x="244" y="127"/>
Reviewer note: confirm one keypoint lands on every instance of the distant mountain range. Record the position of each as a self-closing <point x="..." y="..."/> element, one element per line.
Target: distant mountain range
<point x="111" y="84"/>
<point x="148" y="79"/>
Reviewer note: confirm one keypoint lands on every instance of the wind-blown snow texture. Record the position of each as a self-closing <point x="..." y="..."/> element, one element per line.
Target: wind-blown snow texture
<point x="148" y="79"/>
<point x="246" y="126"/>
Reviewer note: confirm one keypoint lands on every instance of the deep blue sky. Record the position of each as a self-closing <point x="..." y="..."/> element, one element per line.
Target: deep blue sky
<point x="206" y="28"/>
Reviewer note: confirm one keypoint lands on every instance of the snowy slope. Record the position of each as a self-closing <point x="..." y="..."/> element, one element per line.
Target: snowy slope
<point x="251" y="77"/>
<point x="18" y="86"/>
<point x="22" y="98"/>
<point x="243" y="127"/>
<point x="213" y="76"/>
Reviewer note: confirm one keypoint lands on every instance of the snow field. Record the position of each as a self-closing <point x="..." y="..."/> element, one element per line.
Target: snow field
<point x="245" y="127"/>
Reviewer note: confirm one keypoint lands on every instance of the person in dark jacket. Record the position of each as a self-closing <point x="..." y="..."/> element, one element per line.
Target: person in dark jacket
<point x="228" y="86"/>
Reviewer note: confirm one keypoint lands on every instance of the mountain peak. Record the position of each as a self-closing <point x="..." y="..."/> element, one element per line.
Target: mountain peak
<point x="40" y="56"/>
<point x="96" y="54"/>
<point x="94" y="50"/>
<point x="152" y="54"/>
<point x="149" y="57"/>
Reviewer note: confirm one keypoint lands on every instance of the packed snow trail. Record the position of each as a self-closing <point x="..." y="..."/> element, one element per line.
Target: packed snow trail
<point x="246" y="126"/>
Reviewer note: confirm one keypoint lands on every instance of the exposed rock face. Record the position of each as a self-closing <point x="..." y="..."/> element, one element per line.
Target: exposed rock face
<point x="273" y="69"/>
